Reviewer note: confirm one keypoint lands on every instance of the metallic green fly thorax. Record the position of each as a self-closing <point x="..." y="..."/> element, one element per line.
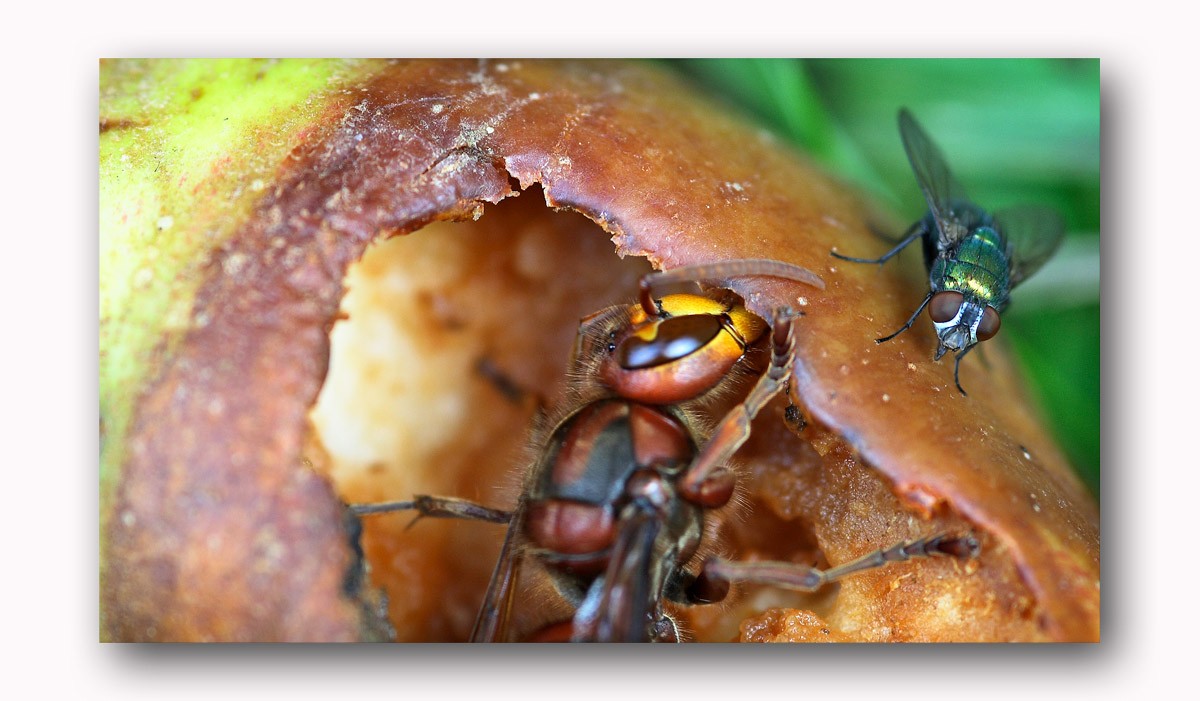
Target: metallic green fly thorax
<point x="978" y="268"/>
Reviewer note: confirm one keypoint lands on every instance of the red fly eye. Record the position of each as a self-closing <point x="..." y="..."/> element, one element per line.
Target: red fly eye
<point x="674" y="338"/>
<point x="988" y="325"/>
<point x="944" y="306"/>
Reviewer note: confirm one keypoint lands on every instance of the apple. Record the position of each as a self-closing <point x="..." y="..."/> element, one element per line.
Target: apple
<point x="328" y="282"/>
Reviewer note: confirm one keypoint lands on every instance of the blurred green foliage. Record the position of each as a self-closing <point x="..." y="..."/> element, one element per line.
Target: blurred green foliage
<point x="1013" y="131"/>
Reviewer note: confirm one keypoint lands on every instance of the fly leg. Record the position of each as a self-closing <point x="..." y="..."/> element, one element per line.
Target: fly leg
<point x="790" y="575"/>
<point x="705" y="481"/>
<point x="914" y="232"/>
<point x="883" y="235"/>
<point x="958" y="359"/>
<point x="908" y="324"/>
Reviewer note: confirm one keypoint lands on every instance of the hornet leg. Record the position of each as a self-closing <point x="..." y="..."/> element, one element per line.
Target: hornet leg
<point x="790" y="575"/>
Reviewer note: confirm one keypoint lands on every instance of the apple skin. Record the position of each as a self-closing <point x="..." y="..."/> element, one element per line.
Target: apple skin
<point x="186" y="150"/>
<point x="234" y="197"/>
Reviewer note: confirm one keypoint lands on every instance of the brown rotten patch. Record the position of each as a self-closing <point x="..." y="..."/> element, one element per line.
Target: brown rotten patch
<point x="221" y="531"/>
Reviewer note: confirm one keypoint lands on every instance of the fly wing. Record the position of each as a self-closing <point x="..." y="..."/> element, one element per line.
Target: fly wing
<point x="942" y="191"/>
<point x="1033" y="234"/>
<point x="618" y="605"/>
